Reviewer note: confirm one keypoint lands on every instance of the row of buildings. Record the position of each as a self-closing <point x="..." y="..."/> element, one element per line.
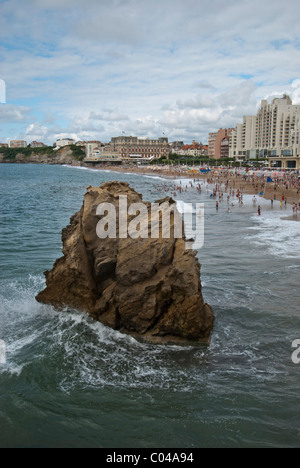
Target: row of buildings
<point x="126" y="148"/>
<point x="219" y="143"/>
<point x="273" y="133"/>
<point x="195" y="149"/>
<point x="137" y="148"/>
<point x="22" y="144"/>
<point x="123" y="148"/>
<point x="37" y="144"/>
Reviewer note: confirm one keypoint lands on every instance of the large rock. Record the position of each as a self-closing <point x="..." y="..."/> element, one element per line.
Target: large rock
<point x="149" y="288"/>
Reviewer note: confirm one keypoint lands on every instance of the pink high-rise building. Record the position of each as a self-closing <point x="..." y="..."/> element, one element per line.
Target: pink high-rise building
<point x="216" y="143"/>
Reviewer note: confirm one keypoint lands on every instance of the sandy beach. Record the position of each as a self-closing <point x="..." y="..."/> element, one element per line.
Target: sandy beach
<point x="254" y="186"/>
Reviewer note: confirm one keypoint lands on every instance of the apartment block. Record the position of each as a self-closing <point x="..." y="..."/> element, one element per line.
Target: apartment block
<point x="92" y="148"/>
<point x="211" y="144"/>
<point x="273" y="133"/>
<point x="278" y="126"/>
<point x="243" y="139"/>
<point x="17" y="144"/>
<point x="216" y="143"/>
<point x="225" y="148"/>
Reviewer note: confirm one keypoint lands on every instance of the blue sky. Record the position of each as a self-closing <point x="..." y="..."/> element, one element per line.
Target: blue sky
<point x="92" y="69"/>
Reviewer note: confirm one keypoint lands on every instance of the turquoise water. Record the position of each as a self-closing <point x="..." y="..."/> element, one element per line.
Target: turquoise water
<point x="69" y="381"/>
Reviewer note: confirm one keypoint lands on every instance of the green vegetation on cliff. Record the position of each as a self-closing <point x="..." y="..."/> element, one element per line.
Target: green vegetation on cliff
<point x="9" y="154"/>
<point x="78" y="153"/>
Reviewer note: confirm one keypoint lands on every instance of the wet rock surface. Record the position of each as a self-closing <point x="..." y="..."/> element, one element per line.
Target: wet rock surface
<point x="148" y="288"/>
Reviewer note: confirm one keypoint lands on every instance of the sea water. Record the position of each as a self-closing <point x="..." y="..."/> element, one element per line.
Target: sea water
<point x="68" y="381"/>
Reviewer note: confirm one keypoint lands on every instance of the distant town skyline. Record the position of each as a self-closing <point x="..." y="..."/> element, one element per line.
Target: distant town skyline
<point x="91" y="70"/>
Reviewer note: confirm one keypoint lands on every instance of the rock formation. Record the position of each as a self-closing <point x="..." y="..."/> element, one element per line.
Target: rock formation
<point x="148" y="288"/>
<point x="63" y="156"/>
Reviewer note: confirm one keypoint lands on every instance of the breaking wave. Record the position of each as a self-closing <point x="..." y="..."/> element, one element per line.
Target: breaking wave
<point x="85" y="354"/>
<point x="280" y="236"/>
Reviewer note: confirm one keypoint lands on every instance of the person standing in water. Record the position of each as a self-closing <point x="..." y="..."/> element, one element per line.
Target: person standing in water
<point x="259" y="210"/>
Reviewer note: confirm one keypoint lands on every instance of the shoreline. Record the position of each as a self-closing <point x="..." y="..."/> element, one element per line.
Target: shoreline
<point x="235" y="182"/>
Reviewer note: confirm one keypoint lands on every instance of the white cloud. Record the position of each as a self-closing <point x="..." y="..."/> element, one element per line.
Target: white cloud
<point x="109" y="115"/>
<point x="78" y="129"/>
<point x="94" y="68"/>
<point x="202" y="114"/>
<point x="296" y="91"/>
<point x="10" y="113"/>
<point x="204" y="85"/>
<point x="36" y="131"/>
<point x="49" y="118"/>
<point x="198" y="102"/>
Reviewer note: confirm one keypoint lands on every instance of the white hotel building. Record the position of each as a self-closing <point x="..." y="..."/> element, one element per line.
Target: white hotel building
<point x="273" y="133"/>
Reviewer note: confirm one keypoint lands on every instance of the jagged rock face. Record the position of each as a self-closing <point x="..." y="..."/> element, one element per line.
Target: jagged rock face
<point x="63" y="156"/>
<point x="149" y="288"/>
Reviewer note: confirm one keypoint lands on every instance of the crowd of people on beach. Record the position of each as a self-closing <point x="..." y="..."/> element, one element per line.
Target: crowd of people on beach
<point x="278" y="189"/>
<point x="275" y="185"/>
<point x="224" y="186"/>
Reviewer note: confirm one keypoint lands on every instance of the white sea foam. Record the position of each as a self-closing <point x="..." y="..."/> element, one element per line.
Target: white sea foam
<point x="80" y="168"/>
<point x="154" y="177"/>
<point x="91" y="354"/>
<point x="87" y="354"/>
<point x="279" y="236"/>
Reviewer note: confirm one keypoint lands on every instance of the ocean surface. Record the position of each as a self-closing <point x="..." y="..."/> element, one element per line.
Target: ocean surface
<point x="70" y="382"/>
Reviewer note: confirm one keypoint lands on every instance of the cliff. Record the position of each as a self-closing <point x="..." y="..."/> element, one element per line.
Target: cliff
<point x="63" y="156"/>
<point x="149" y="288"/>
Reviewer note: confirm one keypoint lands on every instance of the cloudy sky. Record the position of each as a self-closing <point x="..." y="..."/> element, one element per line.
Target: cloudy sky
<point x="92" y="69"/>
